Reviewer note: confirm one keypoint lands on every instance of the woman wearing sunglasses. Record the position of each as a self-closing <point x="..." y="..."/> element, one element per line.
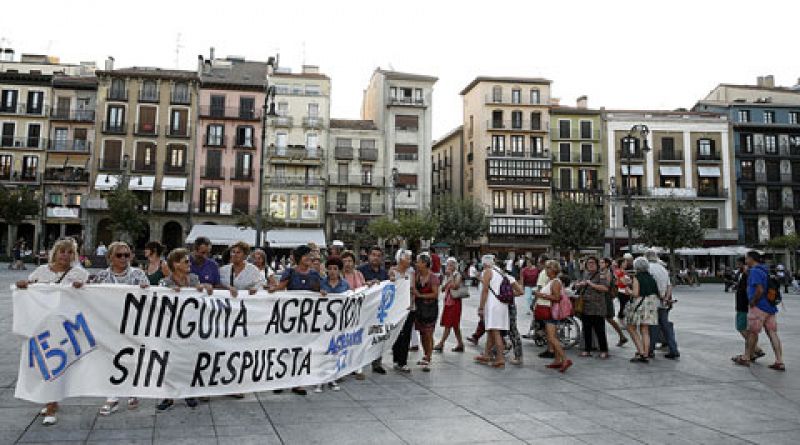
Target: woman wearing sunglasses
<point x="120" y="271"/>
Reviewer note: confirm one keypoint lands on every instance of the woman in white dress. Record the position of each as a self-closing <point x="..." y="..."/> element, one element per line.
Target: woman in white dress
<point x="493" y="311"/>
<point x="62" y="268"/>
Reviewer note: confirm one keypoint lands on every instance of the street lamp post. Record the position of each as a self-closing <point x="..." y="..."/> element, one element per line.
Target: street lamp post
<point x="395" y="174"/>
<point x="268" y="110"/>
<point x="612" y="195"/>
<point x="643" y="132"/>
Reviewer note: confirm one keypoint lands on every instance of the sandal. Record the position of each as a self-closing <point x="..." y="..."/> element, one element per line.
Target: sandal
<point x="424" y="362"/>
<point x="109" y="408"/>
<point x="438" y="348"/>
<point x="741" y="361"/>
<point x="458" y="349"/>
<point x="757" y="355"/>
<point x="777" y="366"/>
<point x="622" y="342"/>
<point x="482" y="359"/>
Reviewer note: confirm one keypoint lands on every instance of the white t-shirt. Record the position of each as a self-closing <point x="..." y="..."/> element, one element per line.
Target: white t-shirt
<point x="248" y="278"/>
<point x="43" y="274"/>
<point x="101" y="250"/>
<point x="661" y="276"/>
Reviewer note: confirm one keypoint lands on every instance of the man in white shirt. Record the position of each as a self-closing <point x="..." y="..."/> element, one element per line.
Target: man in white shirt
<point x="661" y="275"/>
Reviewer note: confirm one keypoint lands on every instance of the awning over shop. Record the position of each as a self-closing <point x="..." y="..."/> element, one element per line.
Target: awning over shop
<point x="670" y="170"/>
<point x="222" y="235"/>
<point x="636" y="170"/>
<point x="708" y="172"/>
<point x="173" y="183"/>
<point x="142" y="183"/>
<point x="106" y="182"/>
<point x="291" y="238"/>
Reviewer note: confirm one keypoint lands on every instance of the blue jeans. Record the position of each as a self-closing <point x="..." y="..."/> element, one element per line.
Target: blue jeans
<point x="667" y="332"/>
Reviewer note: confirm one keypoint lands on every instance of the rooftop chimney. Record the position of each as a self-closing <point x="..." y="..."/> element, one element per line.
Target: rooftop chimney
<point x="211" y="53"/>
<point x="7" y="55"/>
<point x="583" y="102"/>
<point x="310" y="69"/>
<point x="109" y="64"/>
<point x="199" y="64"/>
<point x="766" y="81"/>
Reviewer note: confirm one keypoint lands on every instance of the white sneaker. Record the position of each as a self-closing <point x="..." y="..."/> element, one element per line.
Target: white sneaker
<point x="318" y="389"/>
<point x="49" y="420"/>
<point x="335" y="386"/>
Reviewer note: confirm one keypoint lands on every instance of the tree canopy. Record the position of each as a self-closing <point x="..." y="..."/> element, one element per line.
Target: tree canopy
<point x="18" y="204"/>
<point x="123" y="206"/>
<point x="459" y="221"/>
<point x="574" y="225"/>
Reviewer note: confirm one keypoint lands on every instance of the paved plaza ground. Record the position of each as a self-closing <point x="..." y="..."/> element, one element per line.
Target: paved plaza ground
<point x="700" y="398"/>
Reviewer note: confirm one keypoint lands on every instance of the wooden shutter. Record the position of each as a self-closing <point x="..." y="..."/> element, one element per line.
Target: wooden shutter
<point x="147" y="118"/>
<point x="241" y="199"/>
<point x="405" y="148"/>
<point x="406" y="122"/>
<point x="112" y="153"/>
<point x="407" y="179"/>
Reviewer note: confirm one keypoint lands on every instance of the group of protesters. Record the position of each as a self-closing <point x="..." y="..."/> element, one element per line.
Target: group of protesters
<point x="639" y="287"/>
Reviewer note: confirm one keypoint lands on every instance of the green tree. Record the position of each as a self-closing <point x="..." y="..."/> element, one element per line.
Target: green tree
<point x="417" y="226"/>
<point x="17" y="205"/>
<point x="789" y="243"/>
<point x="459" y="221"/>
<point x="669" y="225"/>
<point x="574" y="225"/>
<point x="127" y="220"/>
<point x="383" y="228"/>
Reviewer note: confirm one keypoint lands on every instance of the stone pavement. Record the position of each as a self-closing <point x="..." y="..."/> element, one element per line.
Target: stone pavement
<point x="701" y="398"/>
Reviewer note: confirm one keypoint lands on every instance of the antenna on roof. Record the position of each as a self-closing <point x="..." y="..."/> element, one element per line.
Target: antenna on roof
<point x="178" y="47"/>
<point x="304" y="52"/>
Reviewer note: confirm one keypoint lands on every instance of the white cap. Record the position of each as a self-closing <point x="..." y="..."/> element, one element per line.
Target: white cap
<point x="627" y="256"/>
<point x="337" y="243"/>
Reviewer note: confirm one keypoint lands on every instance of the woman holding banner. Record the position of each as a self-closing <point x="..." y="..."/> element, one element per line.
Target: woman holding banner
<point x="259" y="259"/>
<point x="239" y="274"/>
<point x="120" y="271"/>
<point x="62" y="268"/>
<point x="180" y="276"/>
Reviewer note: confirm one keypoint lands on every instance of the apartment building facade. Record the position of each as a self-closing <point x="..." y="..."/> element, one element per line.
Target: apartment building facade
<point x="508" y="163"/>
<point x="401" y="105"/>
<point x="578" y="151"/>
<point x="228" y="149"/>
<point x="145" y="131"/>
<point x="689" y="161"/>
<point x="448" y="159"/>
<point x="765" y="134"/>
<point x="71" y="140"/>
<point x="357" y="185"/>
<point x="294" y="191"/>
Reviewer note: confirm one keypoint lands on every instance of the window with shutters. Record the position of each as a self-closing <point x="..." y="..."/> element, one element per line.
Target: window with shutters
<point x="9" y="129"/>
<point x="564" y="152"/>
<point x="704" y="147"/>
<point x="518" y="203"/>
<point x="176" y="157"/>
<point x="770" y="144"/>
<point x="214" y="135"/>
<point x="537" y="202"/>
<point x="769" y="117"/>
<point x="118" y="90"/>
<point x="497" y="93"/>
<point x="407" y="180"/>
<point x="209" y="200"/>
<point x="748" y="171"/>
<point x="147" y="120"/>
<point x="535" y="97"/>
<point x="366" y="175"/>
<point x="517" y="145"/>
<point x="499" y="201"/>
<point x="516" y="119"/>
<point x="537" y="147"/>
<point x="244" y="166"/>
<point x="217" y="108"/>
<point x="587" y="179"/>
<point x="516" y="96"/>
<point x="773" y="171"/>
<point x="586" y="129"/>
<point x="241" y="200"/>
<point x="341" y="201"/>
<point x="213" y="167"/>
<point x="34" y="105"/>
<point x="30" y="165"/>
<point x="112" y="154"/>
<point x="145" y="159"/>
<point x="178" y="122"/>
<point x="405" y="152"/>
<point x="34" y="135"/>
<point x="5" y="166"/>
<point x="149" y="91"/>
<point x="498" y="145"/>
<point x="247" y="107"/>
<point x="115" y="118"/>
<point x="406" y="122"/>
<point x="744" y="115"/>
<point x="366" y="203"/>
<point x="342" y="173"/>
<point x="564" y="129"/>
<point x="794" y="117"/>
<point x="565" y="178"/>
<point x="9" y="101"/>
<point x="244" y="136"/>
<point x="497" y="119"/>
<point x="536" y="121"/>
<point x="586" y="153"/>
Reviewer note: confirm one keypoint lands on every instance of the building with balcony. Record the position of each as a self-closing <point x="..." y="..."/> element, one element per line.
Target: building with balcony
<point x="577" y="150"/>
<point x="448" y="159"/>
<point x="358" y="188"/>
<point x="294" y="186"/>
<point x="690" y="160"/>
<point x="145" y="128"/>
<point x="765" y="134"/>
<point x="508" y="162"/>
<point x="400" y="105"/>
<point x="228" y="147"/>
<point x="68" y="154"/>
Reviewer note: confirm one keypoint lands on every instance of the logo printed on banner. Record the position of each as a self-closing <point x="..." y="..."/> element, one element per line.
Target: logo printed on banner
<point x="52" y="360"/>
<point x="387" y="301"/>
<point x="339" y="345"/>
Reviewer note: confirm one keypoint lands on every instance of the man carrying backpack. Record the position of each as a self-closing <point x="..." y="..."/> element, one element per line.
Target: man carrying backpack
<point x="763" y="294"/>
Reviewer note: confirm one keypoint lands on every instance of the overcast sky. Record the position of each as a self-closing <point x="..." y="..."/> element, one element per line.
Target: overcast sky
<point x="622" y="54"/>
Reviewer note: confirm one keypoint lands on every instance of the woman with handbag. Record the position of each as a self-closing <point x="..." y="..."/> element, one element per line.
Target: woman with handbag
<point x="494" y="312"/>
<point x="593" y="290"/>
<point x="426" y="298"/>
<point x="454" y="291"/>
<point x="642" y="309"/>
<point x="545" y="298"/>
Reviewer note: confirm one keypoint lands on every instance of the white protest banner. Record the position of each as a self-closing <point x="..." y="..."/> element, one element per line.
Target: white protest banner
<point x="107" y="340"/>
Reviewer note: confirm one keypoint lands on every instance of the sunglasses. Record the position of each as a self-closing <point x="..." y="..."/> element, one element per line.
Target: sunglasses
<point x="123" y="255"/>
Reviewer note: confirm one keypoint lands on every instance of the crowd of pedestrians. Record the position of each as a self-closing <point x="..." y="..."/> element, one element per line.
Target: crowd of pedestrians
<point x="637" y="290"/>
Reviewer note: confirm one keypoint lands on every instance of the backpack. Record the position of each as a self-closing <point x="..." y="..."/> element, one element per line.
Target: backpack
<point x="562" y="308"/>
<point x="774" y="290"/>
<point x="506" y="294"/>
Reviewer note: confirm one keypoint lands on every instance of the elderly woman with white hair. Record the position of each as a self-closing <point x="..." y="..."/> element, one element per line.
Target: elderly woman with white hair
<point x="403" y="271"/>
<point x="495" y="314"/>
<point x="454" y="290"/>
<point x="62" y="268"/>
<point x="642" y="309"/>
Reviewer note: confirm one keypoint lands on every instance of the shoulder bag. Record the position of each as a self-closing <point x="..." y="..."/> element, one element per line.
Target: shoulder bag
<point x="462" y="291"/>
